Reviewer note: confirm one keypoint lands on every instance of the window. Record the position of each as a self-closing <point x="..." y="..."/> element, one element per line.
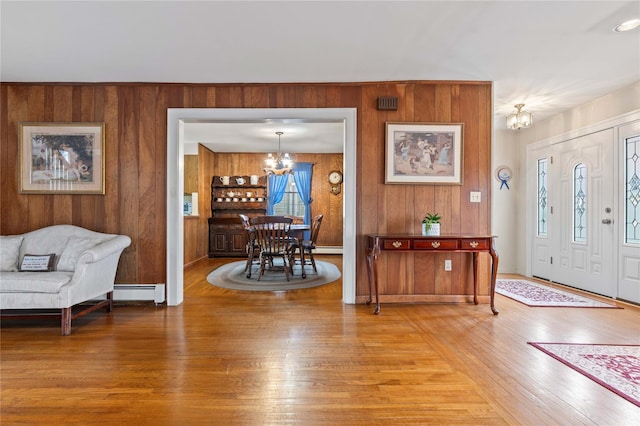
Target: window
<point x="542" y="197"/>
<point x="291" y="204"/>
<point x="632" y="196"/>
<point x="580" y="203"/>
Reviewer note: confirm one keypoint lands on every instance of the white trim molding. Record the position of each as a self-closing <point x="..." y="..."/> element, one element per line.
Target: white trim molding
<point x="176" y="120"/>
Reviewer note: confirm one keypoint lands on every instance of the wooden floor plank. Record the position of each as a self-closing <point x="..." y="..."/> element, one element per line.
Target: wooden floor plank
<point x="303" y="357"/>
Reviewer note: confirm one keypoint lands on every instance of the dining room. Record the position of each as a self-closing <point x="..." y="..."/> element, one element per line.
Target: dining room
<point x="227" y="166"/>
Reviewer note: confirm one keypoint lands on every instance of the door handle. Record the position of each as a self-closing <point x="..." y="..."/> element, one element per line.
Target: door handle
<point x="606" y="221"/>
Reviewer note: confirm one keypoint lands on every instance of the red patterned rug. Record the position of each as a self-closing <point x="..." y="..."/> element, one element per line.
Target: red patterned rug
<point x="534" y="294"/>
<point x="616" y="367"/>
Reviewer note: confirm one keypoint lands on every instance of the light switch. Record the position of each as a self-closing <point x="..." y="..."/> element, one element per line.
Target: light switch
<point x="475" y="197"/>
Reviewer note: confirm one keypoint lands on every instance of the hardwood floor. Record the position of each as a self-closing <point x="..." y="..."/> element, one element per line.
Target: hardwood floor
<point x="302" y="357"/>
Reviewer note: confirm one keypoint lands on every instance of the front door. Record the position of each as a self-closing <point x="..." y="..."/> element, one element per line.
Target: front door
<point x="629" y="214"/>
<point x="573" y="238"/>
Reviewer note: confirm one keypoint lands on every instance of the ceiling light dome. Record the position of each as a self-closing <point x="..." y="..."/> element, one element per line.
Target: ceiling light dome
<point x="519" y="119"/>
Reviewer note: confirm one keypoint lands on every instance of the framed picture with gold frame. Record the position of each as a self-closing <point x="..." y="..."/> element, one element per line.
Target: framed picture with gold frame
<point x="61" y="158"/>
<point x="423" y="153"/>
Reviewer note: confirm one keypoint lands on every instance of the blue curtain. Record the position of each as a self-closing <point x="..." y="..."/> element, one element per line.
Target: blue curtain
<point x="277" y="185"/>
<point x="302" y="173"/>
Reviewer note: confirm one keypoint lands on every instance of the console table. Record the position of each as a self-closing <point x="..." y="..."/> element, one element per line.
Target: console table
<point x="444" y="243"/>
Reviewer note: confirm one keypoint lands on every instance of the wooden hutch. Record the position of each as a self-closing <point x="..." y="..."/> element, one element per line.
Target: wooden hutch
<point x="230" y="198"/>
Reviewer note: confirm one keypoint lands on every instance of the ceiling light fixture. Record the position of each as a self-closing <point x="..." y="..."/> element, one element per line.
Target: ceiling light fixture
<point x="279" y="164"/>
<point x="627" y="25"/>
<point x="519" y="119"/>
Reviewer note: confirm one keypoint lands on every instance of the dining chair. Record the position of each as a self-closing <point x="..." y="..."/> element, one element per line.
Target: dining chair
<point x="308" y="246"/>
<point x="253" y="249"/>
<point x="272" y="236"/>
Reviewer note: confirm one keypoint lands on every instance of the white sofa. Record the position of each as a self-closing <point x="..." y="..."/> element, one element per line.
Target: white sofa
<point x="85" y="269"/>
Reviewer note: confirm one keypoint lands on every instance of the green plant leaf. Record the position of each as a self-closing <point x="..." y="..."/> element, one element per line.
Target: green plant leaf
<point x="433" y="218"/>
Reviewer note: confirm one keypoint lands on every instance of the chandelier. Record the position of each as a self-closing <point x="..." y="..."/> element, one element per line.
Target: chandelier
<point x="519" y="119"/>
<point x="278" y="164"/>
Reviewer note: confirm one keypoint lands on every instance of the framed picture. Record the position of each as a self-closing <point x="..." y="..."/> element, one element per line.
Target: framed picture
<point x="61" y="158"/>
<point x="423" y="153"/>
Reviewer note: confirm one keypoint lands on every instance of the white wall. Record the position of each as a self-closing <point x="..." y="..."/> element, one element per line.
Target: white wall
<point x="615" y="104"/>
<point x="603" y="108"/>
<point x="505" y="220"/>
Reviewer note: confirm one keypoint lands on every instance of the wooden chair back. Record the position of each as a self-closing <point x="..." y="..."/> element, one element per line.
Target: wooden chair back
<point x="272" y="234"/>
<point x="315" y="228"/>
<point x="271" y="219"/>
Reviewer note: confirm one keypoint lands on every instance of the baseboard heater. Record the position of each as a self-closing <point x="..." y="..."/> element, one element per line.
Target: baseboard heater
<point x="328" y="250"/>
<point x="139" y="292"/>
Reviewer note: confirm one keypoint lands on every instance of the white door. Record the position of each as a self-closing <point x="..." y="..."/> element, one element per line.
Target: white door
<point x="629" y="214"/>
<point x="577" y="248"/>
<point x="541" y="265"/>
<point x="584" y="213"/>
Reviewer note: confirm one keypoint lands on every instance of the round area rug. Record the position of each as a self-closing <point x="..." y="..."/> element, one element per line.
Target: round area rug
<point x="233" y="276"/>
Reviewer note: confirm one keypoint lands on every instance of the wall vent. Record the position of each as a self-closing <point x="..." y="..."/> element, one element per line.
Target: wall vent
<point x="388" y="103"/>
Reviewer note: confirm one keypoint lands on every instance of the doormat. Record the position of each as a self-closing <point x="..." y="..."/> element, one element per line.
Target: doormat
<point x="534" y="294"/>
<point x="616" y="367"/>
<point x="233" y="276"/>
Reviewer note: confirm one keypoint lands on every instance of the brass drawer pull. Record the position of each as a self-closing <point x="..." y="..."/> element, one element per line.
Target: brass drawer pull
<point x="435" y="244"/>
<point x="473" y="244"/>
<point x="396" y="244"/>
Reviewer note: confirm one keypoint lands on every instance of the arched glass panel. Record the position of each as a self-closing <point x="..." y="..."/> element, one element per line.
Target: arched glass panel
<point x="542" y="197"/>
<point x="580" y="203"/>
<point x="632" y="196"/>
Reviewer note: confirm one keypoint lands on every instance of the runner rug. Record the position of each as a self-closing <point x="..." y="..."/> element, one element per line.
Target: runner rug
<point x="234" y="277"/>
<point x="534" y="294"/>
<point x="616" y="367"/>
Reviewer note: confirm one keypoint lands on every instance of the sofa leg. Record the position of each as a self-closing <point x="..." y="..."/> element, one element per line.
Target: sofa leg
<point x="65" y="321"/>
<point x="110" y="299"/>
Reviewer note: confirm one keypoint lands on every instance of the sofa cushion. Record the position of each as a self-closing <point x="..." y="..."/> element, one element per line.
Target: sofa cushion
<point x="72" y="251"/>
<point x="38" y="262"/>
<point x="33" y="282"/>
<point x="10" y="252"/>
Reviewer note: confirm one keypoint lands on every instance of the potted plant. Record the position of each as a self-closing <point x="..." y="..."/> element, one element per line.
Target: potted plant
<point x="431" y="224"/>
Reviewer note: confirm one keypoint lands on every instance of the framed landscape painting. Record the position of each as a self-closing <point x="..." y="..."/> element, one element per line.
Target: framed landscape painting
<point x="61" y="158"/>
<point x="423" y="153"/>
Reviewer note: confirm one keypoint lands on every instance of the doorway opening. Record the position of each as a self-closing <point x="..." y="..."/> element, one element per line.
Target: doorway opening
<point x="179" y="117"/>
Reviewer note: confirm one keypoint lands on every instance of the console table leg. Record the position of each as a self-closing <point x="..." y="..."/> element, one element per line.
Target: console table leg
<point x="372" y="269"/>
<point x="475" y="278"/>
<point x="494" y="275"/>
<point x="369" y="273"/>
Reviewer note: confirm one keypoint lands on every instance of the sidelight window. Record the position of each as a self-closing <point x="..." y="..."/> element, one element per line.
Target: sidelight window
<point x="632" y="196"/>
<point x="542" y="197"/>
<point x="580" y="203"/>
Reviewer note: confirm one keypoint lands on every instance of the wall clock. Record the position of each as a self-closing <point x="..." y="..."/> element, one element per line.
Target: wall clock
<point x="335" y="179"/>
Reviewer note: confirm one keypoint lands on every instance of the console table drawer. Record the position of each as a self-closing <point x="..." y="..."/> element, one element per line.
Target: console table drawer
<point x="396" y="244"/>
<point x="435" y="244"/>
<point x="475" y="244"/>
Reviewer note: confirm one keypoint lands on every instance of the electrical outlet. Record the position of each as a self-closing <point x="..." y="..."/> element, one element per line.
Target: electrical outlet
<point x="447" y="265"/>
<point x="475" y="197"/>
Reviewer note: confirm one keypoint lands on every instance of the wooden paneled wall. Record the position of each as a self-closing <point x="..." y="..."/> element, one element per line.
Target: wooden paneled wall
<point x="135" y="117"/>
<point x="191" y="171"/>
<point x="324" y="202"/>
<point x="236" y="164"/>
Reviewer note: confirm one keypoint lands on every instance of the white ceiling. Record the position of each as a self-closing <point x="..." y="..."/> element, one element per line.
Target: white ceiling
<point x="549" y="55"/>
